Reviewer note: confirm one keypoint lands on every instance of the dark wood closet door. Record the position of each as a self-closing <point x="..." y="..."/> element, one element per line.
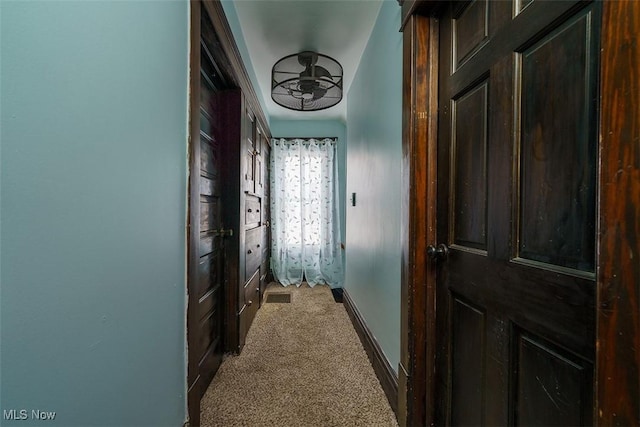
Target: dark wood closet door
<point x="207" y="231"/>
<point x="517" y="158"/>
<point x="212" y="231"/>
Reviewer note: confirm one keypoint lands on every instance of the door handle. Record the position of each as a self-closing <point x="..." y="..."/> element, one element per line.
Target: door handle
<point x="438" y="253"/>
<point x="223" y="233"/>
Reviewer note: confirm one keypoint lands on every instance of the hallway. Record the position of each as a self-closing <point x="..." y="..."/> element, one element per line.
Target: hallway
<point x="302" y="365"/>
<point x="489" y="203"/>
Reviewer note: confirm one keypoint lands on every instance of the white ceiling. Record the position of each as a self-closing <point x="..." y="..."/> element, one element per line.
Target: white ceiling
<point x="273" y="29"/>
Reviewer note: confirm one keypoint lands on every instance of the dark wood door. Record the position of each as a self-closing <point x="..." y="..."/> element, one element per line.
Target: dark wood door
<point x="207" y="230"/>
<point x="517" y="164"/>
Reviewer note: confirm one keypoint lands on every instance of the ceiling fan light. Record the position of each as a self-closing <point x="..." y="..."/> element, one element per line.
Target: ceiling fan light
<point x="306" y="81"/>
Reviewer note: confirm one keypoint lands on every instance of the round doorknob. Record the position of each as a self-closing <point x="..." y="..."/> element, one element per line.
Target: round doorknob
<point x="439" y="252"/>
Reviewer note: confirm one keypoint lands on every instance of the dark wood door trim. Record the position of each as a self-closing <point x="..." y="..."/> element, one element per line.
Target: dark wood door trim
<point x="193" y="231"/>
<point x="234" y="59"/>
<point x="419" y="146"/>
<point x="618" y="273"/>
<point x="418" y="7"/>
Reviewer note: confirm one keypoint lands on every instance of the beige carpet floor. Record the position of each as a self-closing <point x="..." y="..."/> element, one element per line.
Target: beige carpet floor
<point x="302" y="365"/>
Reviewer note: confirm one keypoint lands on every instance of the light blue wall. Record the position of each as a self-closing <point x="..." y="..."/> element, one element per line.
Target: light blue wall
<point x="374" y="159"/>
<point x="234" y="23"/>
<point x="320" y="128"/>
<point x="93" y="199"/>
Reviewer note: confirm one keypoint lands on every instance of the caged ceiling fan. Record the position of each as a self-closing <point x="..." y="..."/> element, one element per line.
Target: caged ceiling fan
<point x="306" y="81"/>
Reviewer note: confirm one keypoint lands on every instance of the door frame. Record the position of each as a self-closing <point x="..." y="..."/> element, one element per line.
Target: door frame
<point x="616" y="391"/>
<point x="238" y="76"/>
<point x="193" y="198"/>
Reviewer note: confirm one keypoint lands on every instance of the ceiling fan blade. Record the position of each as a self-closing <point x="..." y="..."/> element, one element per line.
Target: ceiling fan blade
<point x="319" y="92"/>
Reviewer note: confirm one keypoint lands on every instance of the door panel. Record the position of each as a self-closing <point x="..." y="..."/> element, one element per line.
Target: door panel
<point x="557" y="200"/>
<point x="468" y="354"/>
<point x="516" y="205"/>
<point x="470" y="29"/>
<point x="259" y="185"/>
<point x="209" y="270"/>
<point x="551" y="385"/>
<point x="469" y="178"/>
<point x="250" y="154"/>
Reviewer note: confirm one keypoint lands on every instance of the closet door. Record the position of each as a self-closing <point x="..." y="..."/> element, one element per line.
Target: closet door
<point x="206" y="229"/>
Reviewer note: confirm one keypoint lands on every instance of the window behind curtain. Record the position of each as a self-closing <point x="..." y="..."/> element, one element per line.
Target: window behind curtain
<point x="306" y="232"/>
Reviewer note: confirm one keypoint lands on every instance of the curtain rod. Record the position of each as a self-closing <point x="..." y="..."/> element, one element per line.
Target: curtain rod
<point x="333" y="138"/>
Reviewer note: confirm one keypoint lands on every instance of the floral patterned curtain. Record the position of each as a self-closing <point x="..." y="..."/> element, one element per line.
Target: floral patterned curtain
<point x="304" y="212"/>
